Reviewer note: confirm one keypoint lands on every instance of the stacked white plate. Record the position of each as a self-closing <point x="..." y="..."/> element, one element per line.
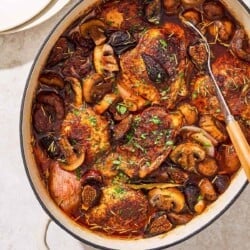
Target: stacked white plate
<point x="18" y="15"/>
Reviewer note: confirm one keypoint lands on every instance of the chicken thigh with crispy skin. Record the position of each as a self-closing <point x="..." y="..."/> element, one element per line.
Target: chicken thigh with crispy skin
<point x="148" y="145"/>
<point x="156" y="63"/>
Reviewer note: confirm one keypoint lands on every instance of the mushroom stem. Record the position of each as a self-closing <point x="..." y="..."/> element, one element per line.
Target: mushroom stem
<point x="77" y="88"/>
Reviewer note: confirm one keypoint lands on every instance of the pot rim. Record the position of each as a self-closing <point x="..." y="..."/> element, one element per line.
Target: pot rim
<point x="43" y="204"/>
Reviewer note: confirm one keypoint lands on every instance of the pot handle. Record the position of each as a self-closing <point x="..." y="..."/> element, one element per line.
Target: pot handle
<point x="42" y="234"/>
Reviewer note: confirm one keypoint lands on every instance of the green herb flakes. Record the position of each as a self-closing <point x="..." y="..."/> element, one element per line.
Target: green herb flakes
<point x="155" y="119"/>
<point x="92" y="120"/>
<point x="121" y="108"/>
<point x="163" y="43"/>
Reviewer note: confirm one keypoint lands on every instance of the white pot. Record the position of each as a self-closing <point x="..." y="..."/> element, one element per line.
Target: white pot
<point x="240" y="12"/>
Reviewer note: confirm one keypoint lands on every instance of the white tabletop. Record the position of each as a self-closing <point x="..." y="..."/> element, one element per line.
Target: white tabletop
<point x="22" y="219"/>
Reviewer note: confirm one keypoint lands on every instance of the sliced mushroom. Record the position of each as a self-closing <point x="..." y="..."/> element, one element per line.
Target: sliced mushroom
<point x="153" y="11"/>
<point x="214" y="127"/>
<point x="95" y="29"/>
<point x="77" y="88"/>
<point x="121" y="41"/>
<point x="192" y="15"/>
<point x="189" y="112"/>
<point x="169" y="199"/>
<point x="193" y="129"/>
<point x="221" y="30"/>
<point x="213" y="10"/>
<point x="158" y="224"/>
<point x="95" y="88"/>
<point x="205" y="142"/>
<point x="171" y="6"/>
<point x="51" y="78"/>
<point x="72" y="160"/>
<point x="208" y="167"/>
<point x="104" y="60"/>
<point x="179" y="219"/>
<point x="187" y="155"/>
<point x="207" y="190"/>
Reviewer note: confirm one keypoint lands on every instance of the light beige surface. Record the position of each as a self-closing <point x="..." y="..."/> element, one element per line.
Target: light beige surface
<point x="22" y="219"/>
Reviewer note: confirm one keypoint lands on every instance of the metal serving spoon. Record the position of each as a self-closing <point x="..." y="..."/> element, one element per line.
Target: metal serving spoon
<point x="235" y="133"/>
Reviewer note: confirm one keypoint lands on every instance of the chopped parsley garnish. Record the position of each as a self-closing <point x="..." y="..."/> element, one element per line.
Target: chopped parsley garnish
<point x="92" y="120"/>
<point x="78" y="173"/>
<point x="117" y="161"/>
<point x="155" y="119"/>
<point x="194" y="95"/>
<point x="137" y="145"/>
<point x="119" y="191"/>
<point x="163" y="43"/>
<point x="121" y="108"/>
<point x="207" y="144"/>
<point x="200" y="197"/>
<point x="169" y="143"/>
<point x="76" y="112"/>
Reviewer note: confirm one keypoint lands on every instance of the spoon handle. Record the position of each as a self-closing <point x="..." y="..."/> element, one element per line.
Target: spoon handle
<point x="240" y="144"/>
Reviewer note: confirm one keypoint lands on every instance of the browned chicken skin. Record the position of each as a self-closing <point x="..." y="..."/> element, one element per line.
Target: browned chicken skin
<point x="148" y="145"/>
<point x="164" y="47"/>
<point x="121" y="210"/>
